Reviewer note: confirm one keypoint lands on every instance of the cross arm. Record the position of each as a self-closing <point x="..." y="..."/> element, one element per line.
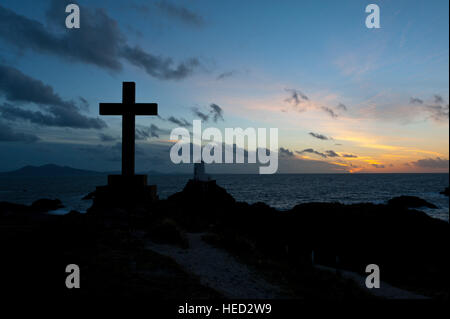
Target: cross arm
<point x="135" y="109"/>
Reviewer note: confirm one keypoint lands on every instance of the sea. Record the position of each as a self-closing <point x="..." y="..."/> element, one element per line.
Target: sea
<point x="282" y="191"/>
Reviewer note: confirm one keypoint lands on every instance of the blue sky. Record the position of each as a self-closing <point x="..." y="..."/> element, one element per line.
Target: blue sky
<point x="250" y="57"/>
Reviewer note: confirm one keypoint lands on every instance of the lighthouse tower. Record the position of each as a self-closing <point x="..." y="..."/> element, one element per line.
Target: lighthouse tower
<point x="199" y="172"/>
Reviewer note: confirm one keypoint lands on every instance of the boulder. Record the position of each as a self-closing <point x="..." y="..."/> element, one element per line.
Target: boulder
<point x="445" y="192"/>
<point x="46" y="205"/>
<point x="410" y="202"/>
<point x="7" y="208"/>
<point x="203" y="194"/>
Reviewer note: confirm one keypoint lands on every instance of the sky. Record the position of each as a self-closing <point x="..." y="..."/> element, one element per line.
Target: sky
<point x="345" y="98"/>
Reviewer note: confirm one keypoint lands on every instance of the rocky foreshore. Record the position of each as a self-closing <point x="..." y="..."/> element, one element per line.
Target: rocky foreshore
<point x="108" y="243"/>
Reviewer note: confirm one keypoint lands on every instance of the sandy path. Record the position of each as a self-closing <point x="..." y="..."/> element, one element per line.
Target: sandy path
<point x="385" y="291"/>
<point x="222" y="272"/>
<point x="218" y="270"/>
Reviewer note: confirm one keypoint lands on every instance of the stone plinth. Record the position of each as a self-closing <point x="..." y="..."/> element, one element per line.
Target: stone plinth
<point x="125" y="181"/>
<point x="123" y="190"/>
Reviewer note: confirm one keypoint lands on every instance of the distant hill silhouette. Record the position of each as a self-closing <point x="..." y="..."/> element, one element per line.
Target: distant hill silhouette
<point x="57" y="170"/>
<point x="50" y="170"/>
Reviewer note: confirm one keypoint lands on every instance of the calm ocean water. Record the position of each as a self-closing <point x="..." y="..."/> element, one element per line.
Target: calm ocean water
<point x="280" y="191"/>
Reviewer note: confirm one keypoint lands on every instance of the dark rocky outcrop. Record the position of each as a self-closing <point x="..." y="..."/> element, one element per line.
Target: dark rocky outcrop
<point x="46" y="205"/>
<point x="39" y="206"/>
<point x="410" y="202"/>
<point x="89" y="196"/>
<point x="409" y="246"/>
<point x="36" y="248"/>
<point x="7" y="208"/>
<point x="445" y="192"/>
<point x="199" y="205"/>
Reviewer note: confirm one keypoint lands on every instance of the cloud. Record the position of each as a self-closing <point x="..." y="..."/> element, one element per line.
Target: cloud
<point x="19" y="87"/>
<point x="98" y="42"/>
<point x="431" y="163"/>
<point x="180" y="122"/>
<point x="349" y="156"/>
<point x="296" y="97"/>
<point x="312" y="151"/>
<point x="180" y="13"/>
<point x="149" y="156"/>
<point x="155" y="131"/>
<point x="328" y="153"/>
<point x="286" y="152"/>
<point x="107" y="138"/>
<point x="150" y="132"/>
<point x="216" y="112"/>
<point x="224" y="75"/>
<point x="437" y="110"/>
<point x="377" y="165"/>
<point x="331" y="112"/>
<point x="16" y="86"/>
<point x="438" y="99"/>
<point x="319" y="136"/>
<point x="159" y="67"/>
<point x="439" y="113"/>
<point x="147" y="152"/>
<point x="414" y="100"/>
<point x="203" y="116"/>
<point x="84" y="103"/>
<point x="7" y="134"/>
<point x="302" y="103"/>
<point x="110" y="153"/>
<point x="342" y="107"/>
<point x="331" y="153"/>
<point x="57" y="116"/>
<point x="142" y="134"/>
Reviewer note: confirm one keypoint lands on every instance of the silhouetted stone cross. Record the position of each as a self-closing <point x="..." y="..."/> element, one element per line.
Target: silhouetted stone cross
<point x="128" y="109"/>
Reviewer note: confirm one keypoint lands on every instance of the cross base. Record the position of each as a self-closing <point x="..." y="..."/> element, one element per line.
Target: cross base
<point x="123" y="190"/>
<point x="127" y="181"/>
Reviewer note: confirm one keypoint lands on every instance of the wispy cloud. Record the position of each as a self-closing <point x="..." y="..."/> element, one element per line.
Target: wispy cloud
<point x="342" y="106"/>
<point x="7" y="134"/>
<point x="415" y="100"/>
<point x="296" y="97"/>
<point x="331" y="153"/>
<point x="99" y="42"/>
<point x="312" y="151"/>
<point x="437" y="109"/>
<point x="107" y="138"/>
<point x="215" y="113"/>
<point x="300" y="102"/>
<point x="203" y="116"/>
<point x="319" y="136"/>
<point x="432" y="163"/>
<point x="286" y="152"/>
<point x="225" y="75"/>
<point x="438" y="99"/>
<point x="180" y="13"/>
<point x="439" y="113"/>
<point x="179" y="121"/>
<point x="18" y="87"/>
<point x="331" y="112"/>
